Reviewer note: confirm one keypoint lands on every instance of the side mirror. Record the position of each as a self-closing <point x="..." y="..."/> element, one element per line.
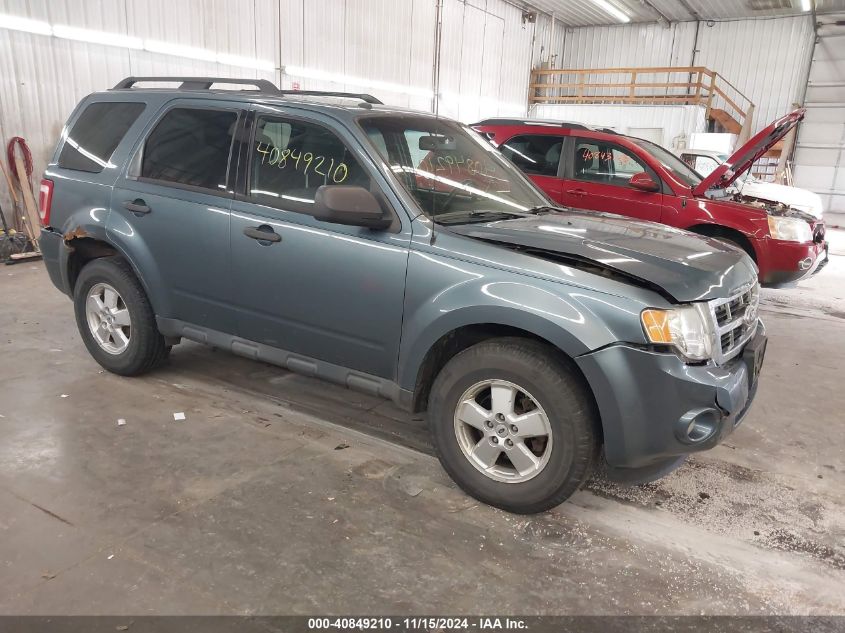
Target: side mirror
<point x="353" y="206"/>
<point x="643" y="182"/>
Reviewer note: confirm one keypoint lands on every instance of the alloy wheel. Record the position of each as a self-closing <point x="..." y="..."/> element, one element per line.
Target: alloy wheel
<point x="503" y="431"/>
<point x="108" y="318"/>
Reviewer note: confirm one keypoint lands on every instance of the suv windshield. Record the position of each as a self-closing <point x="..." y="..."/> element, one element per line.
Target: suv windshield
<point x="670" y="162"/>
<point x="453" y="173"/>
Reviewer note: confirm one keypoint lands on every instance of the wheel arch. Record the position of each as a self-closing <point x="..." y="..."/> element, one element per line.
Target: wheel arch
<point x="720" y="230"/>
<point x="462" y="337"/>
<point x="85" y="243"/>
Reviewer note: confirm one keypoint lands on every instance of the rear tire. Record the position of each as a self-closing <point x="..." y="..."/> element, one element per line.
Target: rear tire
<point x="533" y="387"/>
<point x="115" y="318"/>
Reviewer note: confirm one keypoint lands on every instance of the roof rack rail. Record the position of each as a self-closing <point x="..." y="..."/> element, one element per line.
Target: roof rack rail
<point x="201" y="83"/>
<point x="263" y="85"/>
<point x="328" y="93"/>
<point x="539" y="122"/>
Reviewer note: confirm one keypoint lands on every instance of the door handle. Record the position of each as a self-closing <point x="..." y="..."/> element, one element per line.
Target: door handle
<point x="576" y="192"/>
<point x="263" y="233"/>
<point x="137" y="206"/>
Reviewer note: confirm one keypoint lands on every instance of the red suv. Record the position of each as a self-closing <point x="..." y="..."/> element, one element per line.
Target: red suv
<point x="600" y="170"/>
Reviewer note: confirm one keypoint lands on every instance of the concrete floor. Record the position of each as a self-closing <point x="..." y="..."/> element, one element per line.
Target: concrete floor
<point x="280" y="494"/>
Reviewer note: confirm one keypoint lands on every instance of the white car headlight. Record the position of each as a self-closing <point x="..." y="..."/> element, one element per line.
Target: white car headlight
<point x="688" y="328"/>
<point x="790" y="229"/>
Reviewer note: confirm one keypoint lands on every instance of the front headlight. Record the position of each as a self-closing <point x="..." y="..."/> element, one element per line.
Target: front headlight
<point x="790" y="229"/>
<point x="687" y="328"/>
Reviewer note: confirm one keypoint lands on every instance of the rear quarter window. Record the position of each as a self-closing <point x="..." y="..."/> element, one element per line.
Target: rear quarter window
<point x="96" y="133"/>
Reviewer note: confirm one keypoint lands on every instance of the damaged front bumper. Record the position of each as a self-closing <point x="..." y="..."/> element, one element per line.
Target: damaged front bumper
<point x="656" y="409"/>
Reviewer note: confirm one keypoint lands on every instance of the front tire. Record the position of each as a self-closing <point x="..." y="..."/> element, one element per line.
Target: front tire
<point x="513" y="424"/>
<point x="115" y="318"/>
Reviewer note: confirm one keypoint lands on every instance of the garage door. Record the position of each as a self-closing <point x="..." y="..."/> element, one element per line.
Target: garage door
<point x="820" y="151"/>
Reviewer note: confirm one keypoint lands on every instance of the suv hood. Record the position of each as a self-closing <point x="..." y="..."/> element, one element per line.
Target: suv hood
<point x="742" y="159"/>
<point x="684" y="266"/>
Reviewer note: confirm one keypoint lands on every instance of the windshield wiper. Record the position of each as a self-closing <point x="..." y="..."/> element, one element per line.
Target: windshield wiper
<point x="545" y="208"/>
<point x="479" y="213"/>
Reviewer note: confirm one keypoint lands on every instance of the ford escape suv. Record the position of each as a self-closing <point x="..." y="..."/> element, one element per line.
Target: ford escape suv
<point x="399" y="253"/>
<point x="598" y="169"/>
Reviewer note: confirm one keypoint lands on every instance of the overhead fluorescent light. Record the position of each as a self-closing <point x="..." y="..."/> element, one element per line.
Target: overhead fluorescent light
<point x="805" y="5"/>
<point x="605" y="6"/>
<point x="97" y="37"/>
<point x="15" y="23"/>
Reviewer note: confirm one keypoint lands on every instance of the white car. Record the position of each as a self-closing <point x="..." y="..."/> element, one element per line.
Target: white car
<point x="751" y="189"/>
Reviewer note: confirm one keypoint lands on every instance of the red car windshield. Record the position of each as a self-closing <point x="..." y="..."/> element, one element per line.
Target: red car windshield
<point x="450" y="170"/>
<point x="670" y="162"/>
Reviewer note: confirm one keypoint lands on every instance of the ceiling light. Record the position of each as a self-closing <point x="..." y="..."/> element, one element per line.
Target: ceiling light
<point x="805" y="5"/>
<point x="612" y="10"/>
<point x="97" y="37"/>
<point x="15" y="23"/>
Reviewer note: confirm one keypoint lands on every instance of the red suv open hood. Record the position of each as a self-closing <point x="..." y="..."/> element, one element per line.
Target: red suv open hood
<point x="742" y="159"/>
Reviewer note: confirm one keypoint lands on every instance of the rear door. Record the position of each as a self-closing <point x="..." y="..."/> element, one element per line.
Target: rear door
<point x="171" y="209"/>
<point x="538" y="156"/>
<point x="596" y="177"/>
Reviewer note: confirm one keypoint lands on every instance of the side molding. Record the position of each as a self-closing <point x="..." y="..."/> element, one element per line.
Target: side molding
<point x="297" y="363"/>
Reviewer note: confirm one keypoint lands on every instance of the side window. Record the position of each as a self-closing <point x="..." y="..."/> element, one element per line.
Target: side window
<point x="96" y="133"/>
<point x="605" y="163"/>
<point x="190" y="146"/>
<point x="534" y="154"/>
<point x="291" y="159"/>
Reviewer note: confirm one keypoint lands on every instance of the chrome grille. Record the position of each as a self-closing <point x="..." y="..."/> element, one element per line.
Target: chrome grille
<point x="736" y="320"/>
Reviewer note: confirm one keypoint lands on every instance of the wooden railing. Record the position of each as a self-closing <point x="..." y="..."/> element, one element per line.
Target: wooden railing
<point x="652" y="85"/>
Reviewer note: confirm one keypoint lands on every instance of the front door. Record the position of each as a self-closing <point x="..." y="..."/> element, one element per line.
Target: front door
<point x="170" y="212"/>
<point x="596" y="178"/>
<point x="326" y="291"/>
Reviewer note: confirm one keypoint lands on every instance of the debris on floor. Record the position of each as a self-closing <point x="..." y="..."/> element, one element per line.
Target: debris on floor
<point x="121" y="422"/>
<point x="179" y="416"/>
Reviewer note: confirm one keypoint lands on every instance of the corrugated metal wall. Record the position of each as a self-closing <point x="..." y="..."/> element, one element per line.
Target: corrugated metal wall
<point x="741" y="51"/>
<point x="635" y="45"/>
<point x="42" y="78"/>
<point x="767" y="60"/>
<point x="385" y="47"/>
<point x="820" y="150"/>
<point x="667" y="125"/>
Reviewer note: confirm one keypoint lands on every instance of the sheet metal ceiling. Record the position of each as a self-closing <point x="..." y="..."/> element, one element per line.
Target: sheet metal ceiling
<point x="576" y="13"/>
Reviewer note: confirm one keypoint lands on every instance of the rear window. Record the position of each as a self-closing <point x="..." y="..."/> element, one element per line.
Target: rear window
<point x="96" y="133"/>
<point x="190" y="146"/>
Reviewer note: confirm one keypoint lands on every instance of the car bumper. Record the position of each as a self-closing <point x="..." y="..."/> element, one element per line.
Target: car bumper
<point x="788" y="262"/>
<point x="54" y="252"/>
<point x="649" y="402"/>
